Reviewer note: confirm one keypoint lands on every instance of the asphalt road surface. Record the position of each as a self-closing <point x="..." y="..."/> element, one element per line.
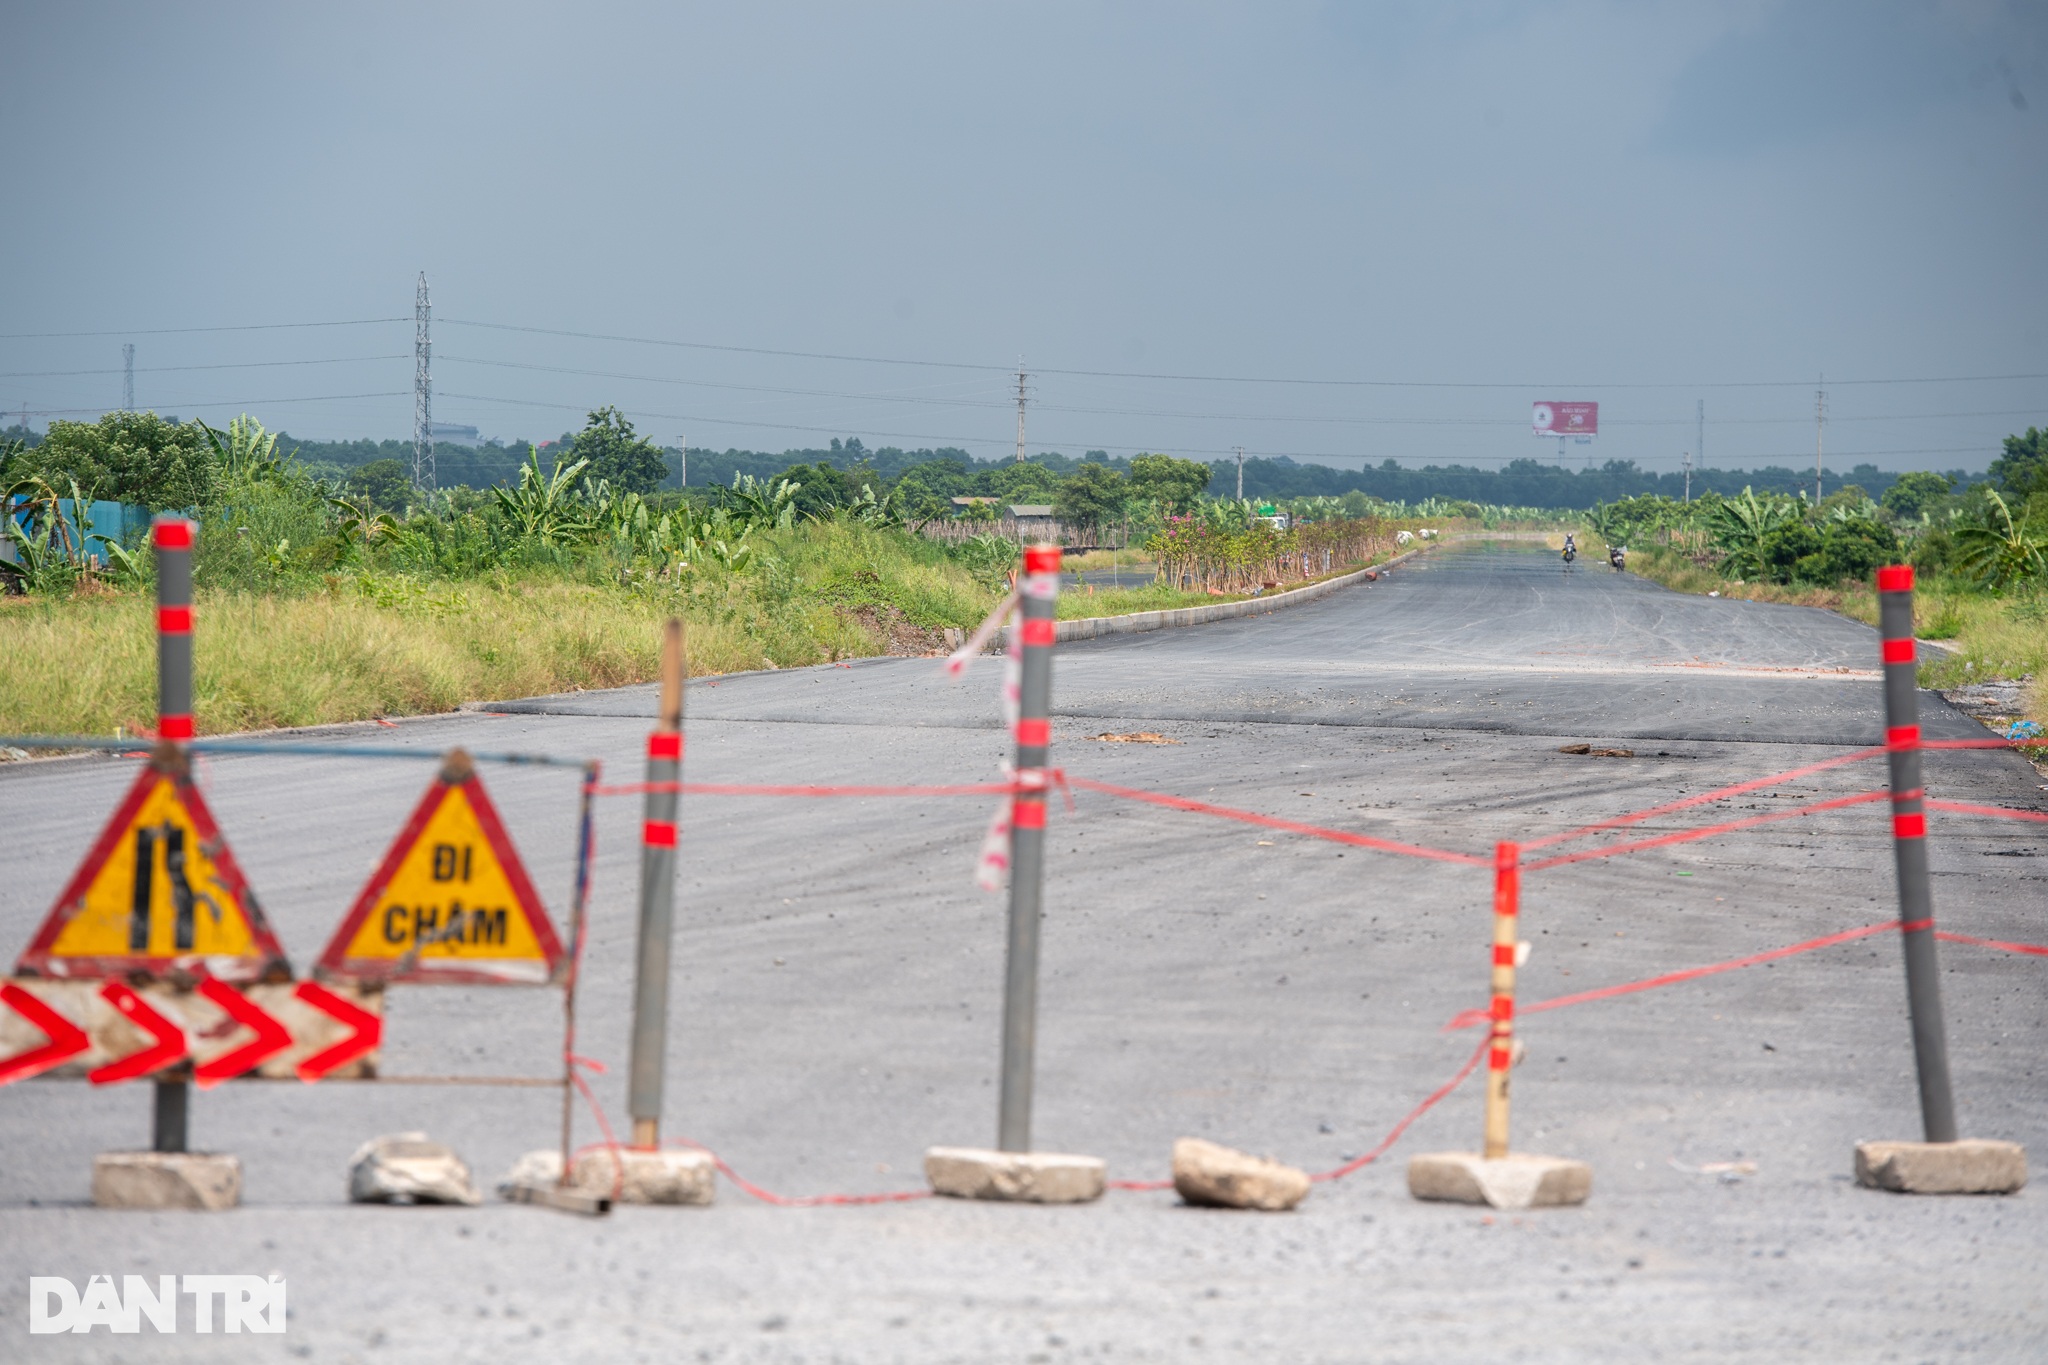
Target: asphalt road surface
<point x="837" y="993"/>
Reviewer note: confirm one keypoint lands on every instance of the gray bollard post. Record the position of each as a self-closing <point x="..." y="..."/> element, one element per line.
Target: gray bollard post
<point x="1039" y="595"/>
<point x="657" y="898"/>
<point x="172" y="538"/>
<point x="1909" y="850"/>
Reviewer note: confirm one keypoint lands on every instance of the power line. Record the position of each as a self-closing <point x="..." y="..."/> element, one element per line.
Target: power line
<point x="983" y="440"/>
<point x="1212" y="378"/>
<point x="173" y="369"/>
<point x="1168" y="413"/>
<point x="175" y="331"/>
<point x="219" y="403"/>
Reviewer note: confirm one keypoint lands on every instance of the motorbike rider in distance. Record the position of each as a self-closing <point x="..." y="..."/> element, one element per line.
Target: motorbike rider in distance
<point x="1617" y="555"/>
<point x="1571" y="548"/>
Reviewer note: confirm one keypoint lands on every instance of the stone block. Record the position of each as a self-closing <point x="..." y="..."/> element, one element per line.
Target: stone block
<point x="648" y="1176"/>
<point x="409" y="1168"/>
<point x="166" y="1180"/>
<point x="1515" y="1181"/>
<point x="1206" y="1173"/>
<point x="1971" y="1166"/>
<point x="1017" y="1177"/>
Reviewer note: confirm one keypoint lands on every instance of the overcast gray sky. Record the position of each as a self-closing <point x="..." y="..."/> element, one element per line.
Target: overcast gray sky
<point x="1643" y="205"/>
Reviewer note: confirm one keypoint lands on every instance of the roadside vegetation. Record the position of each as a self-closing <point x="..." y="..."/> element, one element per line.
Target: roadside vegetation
<point x="1981" y="555"/>
<point x="323" y="600"/>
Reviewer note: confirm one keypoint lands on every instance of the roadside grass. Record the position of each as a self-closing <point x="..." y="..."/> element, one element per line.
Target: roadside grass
<point x="1991" y="637"/>
<point x="366" y="642"/>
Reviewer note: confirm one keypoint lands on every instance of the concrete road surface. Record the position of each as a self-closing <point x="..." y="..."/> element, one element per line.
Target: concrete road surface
<point x="837" y="992"/>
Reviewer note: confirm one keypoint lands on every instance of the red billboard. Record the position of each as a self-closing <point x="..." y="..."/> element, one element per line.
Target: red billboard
<point x="1565" y="419"/>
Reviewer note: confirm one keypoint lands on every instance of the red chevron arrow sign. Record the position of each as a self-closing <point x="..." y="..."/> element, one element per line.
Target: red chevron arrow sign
<point x="109" y="1032"/>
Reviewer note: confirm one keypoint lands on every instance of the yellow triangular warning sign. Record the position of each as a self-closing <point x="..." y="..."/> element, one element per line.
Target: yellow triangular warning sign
<point x="159" y="892"/>
<point x="450" y="902"/>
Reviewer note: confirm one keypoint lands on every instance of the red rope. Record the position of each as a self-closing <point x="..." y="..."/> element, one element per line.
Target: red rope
<point x="1413" y="1114"/>
<point x="764" y="789"/>
<point x="1469" y="1018"/>
<point x="1356" y="1163"/>
<point x="1739" y="789"/>
<point x="807" y="1201"/>
<point x="1273" y="822"/>
<point x="2003" y="812"/>
<point x="2031" y="949"/>
<point x="1707" y="831"/>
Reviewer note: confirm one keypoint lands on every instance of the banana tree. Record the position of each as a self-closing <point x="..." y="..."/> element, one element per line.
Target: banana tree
<point x="1998" y="551"/>
<point x="543" y="507"/>
<point x="1740" y="524"/>
<point x="248" y="452"/>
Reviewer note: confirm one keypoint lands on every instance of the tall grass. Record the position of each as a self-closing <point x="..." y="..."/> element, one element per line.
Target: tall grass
<point x="1990" y="637"/>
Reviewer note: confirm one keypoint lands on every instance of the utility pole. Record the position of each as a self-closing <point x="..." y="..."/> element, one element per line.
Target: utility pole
<point x="1820" y="421"/>
<point x="1699" y="444"/>
<point x="422" y="390"/>
<point x="1021" y="391"/>
<point x="1688" y="476"/>
<point x="128" y="377"/>
<point x="1240" y="473"/>
<point x="683" y="450"/>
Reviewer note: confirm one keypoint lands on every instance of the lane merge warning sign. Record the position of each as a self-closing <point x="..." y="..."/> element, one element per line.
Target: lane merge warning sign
<point x="450" y="902"/>
<point x="159" y="894"/>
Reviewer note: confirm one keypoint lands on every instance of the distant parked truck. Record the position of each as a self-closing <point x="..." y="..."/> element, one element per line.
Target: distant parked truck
<point x="1272" y="516"/>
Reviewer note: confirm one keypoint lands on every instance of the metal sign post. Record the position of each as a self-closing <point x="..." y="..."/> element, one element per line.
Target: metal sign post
<point x="172" y="537"/>
<point x="1909" y="851"/>
<point x="1039" y="593"/>
<point x="657" y="898"/>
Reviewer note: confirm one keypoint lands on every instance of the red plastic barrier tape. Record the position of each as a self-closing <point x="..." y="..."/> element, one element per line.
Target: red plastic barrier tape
<point x="765" y="789"/>
<point x="1273" y="822"/>
<point x="2002" y="812"/>
<point x="1739" y="789"/>
<point x="2030" y="949"/>
<point x="1709" y="831"/>
<point x="1474" y="1017"/>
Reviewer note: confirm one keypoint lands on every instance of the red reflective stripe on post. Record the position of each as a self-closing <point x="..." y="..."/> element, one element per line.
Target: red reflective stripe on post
<point x="1038" y="632"/>
<point x="1895" y="578"/>
<point x="1042" y="559"/>
<point x="1028" y="814"/>
<point x="1034" y="730"/>
<point x="174" y="620"/>
<point x="1503" y="1005"/>
<point x="1912" y="826"/>
<point x="1902" y="737"/>
<point x="172" y="535"/>
<point x="658" y="833"/>
<point x="1500" y="1059"/>
<point x="174" y="727"/>
<point x="1503" y="955"/>
<point x="664" y="746"/>
<point x="1898" y="651"/>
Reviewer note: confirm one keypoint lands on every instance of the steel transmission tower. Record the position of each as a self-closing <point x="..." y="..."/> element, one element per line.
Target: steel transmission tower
<point x="1820" y="421"/>
<point x="1021" y="391"/>
<point x="422" y="390"/>
<point x="128" y="377"/>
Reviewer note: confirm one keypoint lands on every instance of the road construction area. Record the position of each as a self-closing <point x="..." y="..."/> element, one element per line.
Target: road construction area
<point x="838" y="977"/>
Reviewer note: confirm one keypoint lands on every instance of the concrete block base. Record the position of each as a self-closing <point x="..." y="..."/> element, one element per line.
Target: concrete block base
<point x="648" y="1176"/>
<point x="1971" y="1166"/>
<point x="1209" y="1175"/>
<point x="166" y="1180"/>
<point x="1515" y="1181"/>
<point x="1017" y="1177"/>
